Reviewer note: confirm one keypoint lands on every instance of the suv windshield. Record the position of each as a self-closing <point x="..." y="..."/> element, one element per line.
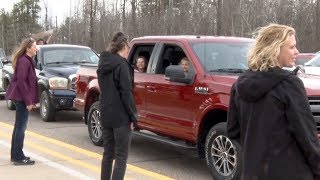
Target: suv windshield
<point x="314" y="61"/>
<point x="222" y="57"/>
<point x="70" y="56"/>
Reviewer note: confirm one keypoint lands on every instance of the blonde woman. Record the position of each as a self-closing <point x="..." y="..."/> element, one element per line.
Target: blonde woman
<point x="270" y="115"/>
<point x="23" y="91"/>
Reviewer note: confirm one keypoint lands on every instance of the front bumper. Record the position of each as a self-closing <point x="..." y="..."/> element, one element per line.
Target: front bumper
<point x="62" y="99"/>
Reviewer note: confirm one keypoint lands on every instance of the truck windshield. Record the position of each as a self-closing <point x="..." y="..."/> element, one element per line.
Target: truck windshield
<point x="222" y="57"/>
<point x="70" y="56"/>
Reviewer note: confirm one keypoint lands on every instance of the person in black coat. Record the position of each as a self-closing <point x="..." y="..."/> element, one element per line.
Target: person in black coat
<point x="269" y="113"/>
<point x="118" y="113"/>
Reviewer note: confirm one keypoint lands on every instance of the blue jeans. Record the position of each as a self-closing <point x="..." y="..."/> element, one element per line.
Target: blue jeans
<point x="19" y="129"/>
<point x="116" y="143"/>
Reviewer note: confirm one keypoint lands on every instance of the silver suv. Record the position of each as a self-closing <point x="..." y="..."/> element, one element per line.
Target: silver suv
<point x="2" y="59"/>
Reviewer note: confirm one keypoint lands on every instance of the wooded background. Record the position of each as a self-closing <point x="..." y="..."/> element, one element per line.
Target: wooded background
<point x="93" y="22"/>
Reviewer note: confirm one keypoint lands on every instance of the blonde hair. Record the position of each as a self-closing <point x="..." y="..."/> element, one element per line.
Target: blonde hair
<point x="18" y="52"/>
<point x="266" y="48"/>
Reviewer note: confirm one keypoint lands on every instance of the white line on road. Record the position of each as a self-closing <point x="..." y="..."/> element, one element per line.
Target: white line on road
<point x="53" y="164"/>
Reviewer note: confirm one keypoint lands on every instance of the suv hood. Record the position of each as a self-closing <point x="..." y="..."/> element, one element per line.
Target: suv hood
<point x="61" y="70"/>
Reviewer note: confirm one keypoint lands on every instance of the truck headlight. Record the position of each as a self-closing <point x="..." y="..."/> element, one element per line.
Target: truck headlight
<point x="58" y="83"/>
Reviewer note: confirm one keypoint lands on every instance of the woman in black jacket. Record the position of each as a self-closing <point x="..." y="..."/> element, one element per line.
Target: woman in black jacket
<point x="270" y="115"/>
<point x="118" y="112"/>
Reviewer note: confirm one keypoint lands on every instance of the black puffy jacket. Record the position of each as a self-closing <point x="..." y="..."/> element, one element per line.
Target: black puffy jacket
<point x="270" y="115"/>
<point x="115" y="77"/>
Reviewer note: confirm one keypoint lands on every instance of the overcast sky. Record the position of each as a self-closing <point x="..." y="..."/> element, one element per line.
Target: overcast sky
<point x="59" y="8"/>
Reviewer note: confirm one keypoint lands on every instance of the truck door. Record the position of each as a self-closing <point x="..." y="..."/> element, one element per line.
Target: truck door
<point x="169" y="107"/>
<point x="141" y="51"/>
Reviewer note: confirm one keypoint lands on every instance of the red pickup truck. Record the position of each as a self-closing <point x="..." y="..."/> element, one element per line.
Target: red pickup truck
<point x="184" y="110"/>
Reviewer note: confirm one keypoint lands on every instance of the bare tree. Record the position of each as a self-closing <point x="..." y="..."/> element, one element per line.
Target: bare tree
<point x="317" y="24"/>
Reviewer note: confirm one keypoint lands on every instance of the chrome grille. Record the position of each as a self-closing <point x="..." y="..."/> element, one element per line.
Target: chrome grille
<point x="315" y="109"/>
<point x="314" y="100"/>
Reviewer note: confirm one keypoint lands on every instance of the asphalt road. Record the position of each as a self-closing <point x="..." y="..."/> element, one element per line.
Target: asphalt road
<point x="164" y="159"/>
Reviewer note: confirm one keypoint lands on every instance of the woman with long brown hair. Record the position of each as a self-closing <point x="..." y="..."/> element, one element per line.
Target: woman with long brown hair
<point x="23" y="91"/>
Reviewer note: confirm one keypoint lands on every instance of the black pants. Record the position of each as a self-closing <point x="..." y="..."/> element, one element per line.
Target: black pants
<point x="116" y="142"/>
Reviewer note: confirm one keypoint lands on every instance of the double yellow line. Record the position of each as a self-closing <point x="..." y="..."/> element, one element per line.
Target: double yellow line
<point x="78" y="150"/>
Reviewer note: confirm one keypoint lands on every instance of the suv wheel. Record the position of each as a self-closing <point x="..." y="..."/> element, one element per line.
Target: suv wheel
<point x="10" y="105"/>
<point x="223" y="156"/>
<point x="47" y="111"/>
<point x="94" y="125"/>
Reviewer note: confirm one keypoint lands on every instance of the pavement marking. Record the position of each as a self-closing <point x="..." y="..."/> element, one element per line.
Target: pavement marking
<point x="52" y="164"/>
<point x="59" y="155"/>
<point x="88" y="153"/>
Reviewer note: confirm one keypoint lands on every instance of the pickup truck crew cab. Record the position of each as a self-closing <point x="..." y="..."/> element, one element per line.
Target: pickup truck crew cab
<point x="188" y="111"/>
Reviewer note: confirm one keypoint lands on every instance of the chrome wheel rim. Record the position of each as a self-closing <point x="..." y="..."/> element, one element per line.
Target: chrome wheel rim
<point x="44" y="107"/>
<point x="223" y="154"/>
<point x="9" y="103"/>
<point x="95" y="124"/>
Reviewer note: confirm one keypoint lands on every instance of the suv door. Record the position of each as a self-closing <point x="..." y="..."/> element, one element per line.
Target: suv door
<point x="169" y="107"/>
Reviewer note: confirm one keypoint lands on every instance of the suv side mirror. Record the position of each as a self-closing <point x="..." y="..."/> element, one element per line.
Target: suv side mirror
<point x="38" y="65"/>
<point x="299" y="68"/>
<point x="4" y="60"/>
<point x="175" y="73"/>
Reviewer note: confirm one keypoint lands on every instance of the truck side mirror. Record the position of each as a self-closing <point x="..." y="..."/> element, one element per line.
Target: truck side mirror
<point x="175" y="73"/>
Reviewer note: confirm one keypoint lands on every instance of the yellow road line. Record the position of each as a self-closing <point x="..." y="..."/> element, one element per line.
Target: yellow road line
<point x="59" y="155"/>
<point x="88" y="153"/>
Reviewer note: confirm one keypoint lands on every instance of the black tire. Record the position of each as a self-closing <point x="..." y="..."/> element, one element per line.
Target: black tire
<point x="47" y="111"/>
<point x="94" y="125"/>
<point x="223" y="156"/>
<point x="10" y="105"/>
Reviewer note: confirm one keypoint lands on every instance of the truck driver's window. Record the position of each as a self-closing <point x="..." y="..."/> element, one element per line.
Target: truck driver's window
<point x="140" y="57"/>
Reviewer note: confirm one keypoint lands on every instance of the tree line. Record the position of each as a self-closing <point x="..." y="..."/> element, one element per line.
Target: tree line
<point x="93" y="22"/>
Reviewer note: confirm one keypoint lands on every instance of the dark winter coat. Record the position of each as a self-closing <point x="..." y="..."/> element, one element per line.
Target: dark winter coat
<point x="115" y="77"/>
<point x="270" y="116"/>
<point x="23" y="86"/>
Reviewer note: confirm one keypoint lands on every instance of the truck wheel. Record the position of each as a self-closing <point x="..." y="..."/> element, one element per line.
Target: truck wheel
<point x="94" y="125"/>
<point x="223" y="156"/>
<point x="47" y="111"/>
<point x="10" y="105"/>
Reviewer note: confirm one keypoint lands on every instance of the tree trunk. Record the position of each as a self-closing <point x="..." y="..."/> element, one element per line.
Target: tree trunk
<point x="123" y="22"/>
<point x="133" y="27"/>
<point x="219" y="18"/>
<point x="317" y="24"/>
